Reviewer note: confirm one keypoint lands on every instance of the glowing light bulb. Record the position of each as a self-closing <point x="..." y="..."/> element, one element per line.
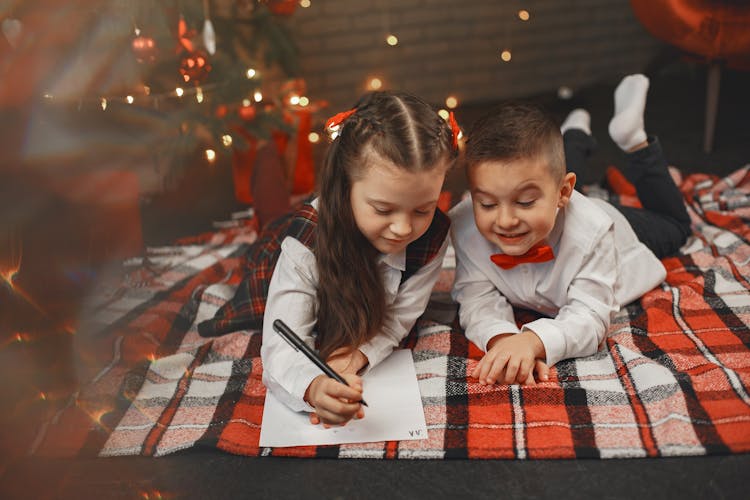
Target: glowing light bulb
<point x="129" y="99"/>
<point x="246" y="102"/>
<point x="304" y="3"/>
<point x="257" y="96"/>
<point x="375" y="83"/>
<point x="179" y="91"/>
<point x="313" y="137"/>
<point x="199" y="94"/>
<point x="451" y="102"/>
<point x="250" y="73"/>
<point x="210" y="155"/>
<point x="304" y="101"/>
<point x="392" y="40"/>
<point x="294" y="100"/>
<point x="564" y="92"/>
<point x="524" y="15"/>
<point x="104" y="104"/>
<point x="226" y="140"/>
<point x="505" y="55"/>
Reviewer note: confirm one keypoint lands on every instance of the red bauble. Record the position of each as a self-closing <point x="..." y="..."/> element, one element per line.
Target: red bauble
<point x="195" y="66"/>
<point x="247" y="112"/>
<point x="144" y="48"/>
<point x="282" y="7"/>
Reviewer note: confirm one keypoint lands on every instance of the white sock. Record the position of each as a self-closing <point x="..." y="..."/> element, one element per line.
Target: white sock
<point x="626" y="127"/>
<point x="578" y="118"/>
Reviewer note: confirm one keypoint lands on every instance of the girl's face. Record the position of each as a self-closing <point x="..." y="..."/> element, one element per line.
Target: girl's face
<point x="393" y="207"/>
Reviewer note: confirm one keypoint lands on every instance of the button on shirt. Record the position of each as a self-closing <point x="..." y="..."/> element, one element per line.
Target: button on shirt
<point x="292" y="297"/>
<point x="599" y="265"/>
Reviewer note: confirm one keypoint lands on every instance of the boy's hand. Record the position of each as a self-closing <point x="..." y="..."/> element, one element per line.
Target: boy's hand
<point x="511" y="359"/>
<point x="334" y="402"/>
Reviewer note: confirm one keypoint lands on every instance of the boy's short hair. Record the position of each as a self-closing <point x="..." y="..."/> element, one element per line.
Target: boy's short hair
<point x="516" y="130"/>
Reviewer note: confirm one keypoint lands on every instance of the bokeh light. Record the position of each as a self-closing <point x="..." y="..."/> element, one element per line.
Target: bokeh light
<point x="374" y="84"/>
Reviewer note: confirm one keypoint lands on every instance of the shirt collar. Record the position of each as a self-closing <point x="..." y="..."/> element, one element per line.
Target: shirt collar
<point x="395" y="260"/>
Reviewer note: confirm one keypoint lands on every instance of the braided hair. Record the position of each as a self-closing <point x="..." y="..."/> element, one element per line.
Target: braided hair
<point x="405" y="131"/>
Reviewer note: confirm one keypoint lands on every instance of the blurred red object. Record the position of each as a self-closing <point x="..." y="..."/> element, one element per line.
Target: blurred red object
<point x="282" y="7"/>
<point x="714" y="29"/>
<point x="110" y="200"/>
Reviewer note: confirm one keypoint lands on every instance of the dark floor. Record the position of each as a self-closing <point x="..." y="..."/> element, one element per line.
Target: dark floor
<point x="38" y="372"/>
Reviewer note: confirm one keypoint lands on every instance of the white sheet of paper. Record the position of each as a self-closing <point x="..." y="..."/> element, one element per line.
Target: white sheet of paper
<point x="395" y="411"/>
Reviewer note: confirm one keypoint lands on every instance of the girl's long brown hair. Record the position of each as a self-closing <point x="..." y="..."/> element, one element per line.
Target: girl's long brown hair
<point x="405" y="131"/>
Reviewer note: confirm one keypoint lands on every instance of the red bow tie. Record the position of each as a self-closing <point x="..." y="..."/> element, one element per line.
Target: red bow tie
<point x="539" y="253"/>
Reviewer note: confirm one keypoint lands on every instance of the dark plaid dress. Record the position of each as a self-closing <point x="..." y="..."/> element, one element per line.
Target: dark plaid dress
<point x="245" y="310"/>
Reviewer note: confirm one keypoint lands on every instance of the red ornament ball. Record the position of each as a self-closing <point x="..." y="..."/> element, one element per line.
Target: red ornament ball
<point x="195" y="67"/>
<point x="247" y="113"/>
<point x="144" y="48"/>
<point x="282" y="7"/>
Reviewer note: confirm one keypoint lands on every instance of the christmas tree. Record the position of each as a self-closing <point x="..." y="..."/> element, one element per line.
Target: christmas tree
<point x="219" y="76"/>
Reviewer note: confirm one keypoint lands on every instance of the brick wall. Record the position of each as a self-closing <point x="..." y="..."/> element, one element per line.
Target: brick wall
<point x="453" y="46"/>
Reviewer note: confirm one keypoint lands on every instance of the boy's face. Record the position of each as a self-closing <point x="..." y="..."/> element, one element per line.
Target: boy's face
<point x="516" y="202"/>
<point x="393" y="207"/>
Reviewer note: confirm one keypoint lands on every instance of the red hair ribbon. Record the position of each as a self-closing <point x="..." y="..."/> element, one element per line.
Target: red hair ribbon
<point x="454" y="128"/>
<point x="539" y="253"/>
<point x="338" y="118"/>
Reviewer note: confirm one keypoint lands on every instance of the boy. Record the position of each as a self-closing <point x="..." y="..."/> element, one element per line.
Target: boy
<point x="526" y="238"/>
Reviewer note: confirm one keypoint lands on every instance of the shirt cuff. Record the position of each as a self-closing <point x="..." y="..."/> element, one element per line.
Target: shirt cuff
<point x="552" y="338"/>
<point x="305" y="376"/>
<point x="374" y="353"/>
<point x="483" y="333"/>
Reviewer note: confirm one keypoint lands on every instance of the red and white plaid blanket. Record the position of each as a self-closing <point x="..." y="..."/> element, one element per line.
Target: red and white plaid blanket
<point x="672" y="379"/>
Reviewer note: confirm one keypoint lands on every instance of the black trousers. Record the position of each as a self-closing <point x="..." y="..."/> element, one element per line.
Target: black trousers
<point x="663" y="223"/>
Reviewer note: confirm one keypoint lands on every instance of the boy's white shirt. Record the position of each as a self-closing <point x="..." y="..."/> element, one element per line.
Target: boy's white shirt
<point x="292" y="298"/>
<point x="599" y="266"/>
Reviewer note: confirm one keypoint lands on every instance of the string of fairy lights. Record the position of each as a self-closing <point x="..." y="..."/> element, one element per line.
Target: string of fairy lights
<point x="199" y="93"/>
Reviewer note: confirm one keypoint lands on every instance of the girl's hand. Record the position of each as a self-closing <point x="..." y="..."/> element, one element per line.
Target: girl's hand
<point x="512" y="359"/>
<point x="334" y="402"/>
<point x="346" y="360"/>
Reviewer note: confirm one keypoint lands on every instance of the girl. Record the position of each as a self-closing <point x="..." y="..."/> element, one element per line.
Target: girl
<point x="351" y="271"/>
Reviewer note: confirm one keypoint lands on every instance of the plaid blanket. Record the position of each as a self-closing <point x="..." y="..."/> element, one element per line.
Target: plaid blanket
<point x="672" y="379"/>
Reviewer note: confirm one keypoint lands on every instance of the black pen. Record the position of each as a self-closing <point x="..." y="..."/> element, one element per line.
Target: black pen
<point x="299" y="345"/>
